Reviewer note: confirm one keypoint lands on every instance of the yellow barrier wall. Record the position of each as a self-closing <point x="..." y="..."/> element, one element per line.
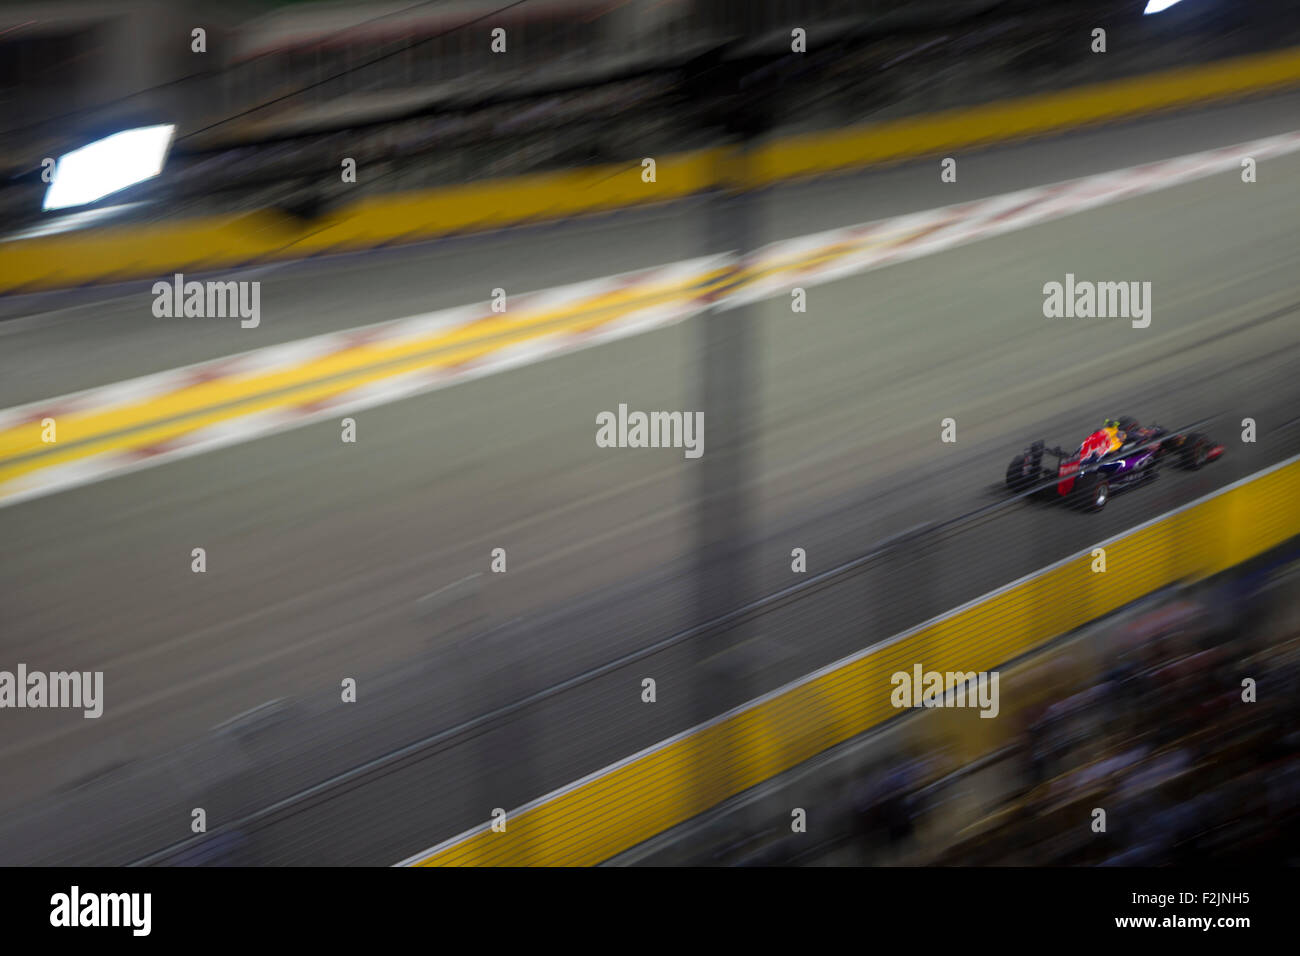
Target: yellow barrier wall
<point x="645" y="795"/>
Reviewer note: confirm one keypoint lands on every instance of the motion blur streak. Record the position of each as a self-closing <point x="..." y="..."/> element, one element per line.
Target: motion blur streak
<point x="334" y="374"/>
<point x="597" y="817"/>
<point x="216" y="242"/>
<point x="374" y="610"/>
<point x="183" y="662"/>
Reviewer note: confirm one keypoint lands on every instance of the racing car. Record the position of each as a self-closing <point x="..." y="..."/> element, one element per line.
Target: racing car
<point x="1086" y="478"/>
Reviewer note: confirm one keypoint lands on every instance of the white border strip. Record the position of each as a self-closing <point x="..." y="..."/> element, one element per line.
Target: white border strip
<point x="286" y="355"/>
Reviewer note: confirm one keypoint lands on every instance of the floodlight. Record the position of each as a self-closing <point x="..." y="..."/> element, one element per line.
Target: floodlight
<point x="107" y="165"/>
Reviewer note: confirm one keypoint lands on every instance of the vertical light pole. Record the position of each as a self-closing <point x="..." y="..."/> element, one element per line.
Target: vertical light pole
<point x="728" y="395"/>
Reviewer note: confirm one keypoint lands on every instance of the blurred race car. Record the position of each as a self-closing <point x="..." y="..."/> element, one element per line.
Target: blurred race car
<point x="1119" y="454"/>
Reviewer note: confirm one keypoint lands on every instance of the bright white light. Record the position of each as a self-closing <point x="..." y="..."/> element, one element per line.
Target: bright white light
<point x="107" y="165"/>
<point x="1155" y="6"/>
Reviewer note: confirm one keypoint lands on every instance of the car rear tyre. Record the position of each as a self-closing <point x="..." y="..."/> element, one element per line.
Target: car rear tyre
<point x="1093" y="492"/>
<point x="1026" y="470"/>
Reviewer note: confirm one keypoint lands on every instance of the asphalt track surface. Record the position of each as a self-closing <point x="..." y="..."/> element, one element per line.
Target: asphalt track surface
<point x="322" y="555"/>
